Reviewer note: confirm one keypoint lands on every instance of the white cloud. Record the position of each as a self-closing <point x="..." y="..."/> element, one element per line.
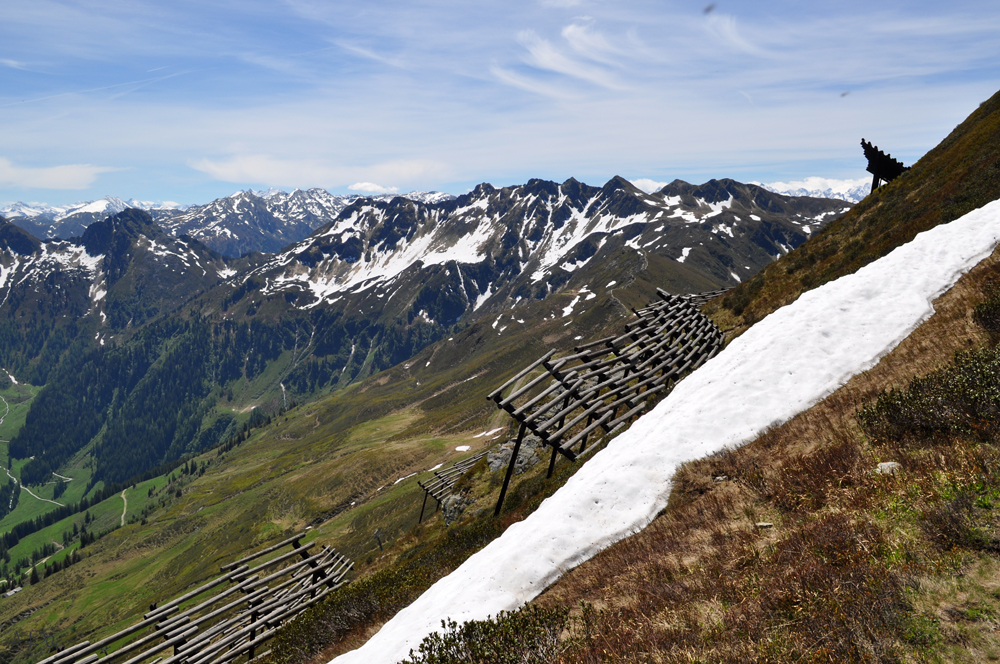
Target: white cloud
<point x="525" y="83"/>
<point x="723" y="28"/>
<point x="70" y="176"/>
<point x="13" y="64"/>
<point x="588" y="43"/>
<point x="278" y="172"/>
<point x="543" y="55"/>
<point x="649" y="186"/>
<point x="372" y="188"/>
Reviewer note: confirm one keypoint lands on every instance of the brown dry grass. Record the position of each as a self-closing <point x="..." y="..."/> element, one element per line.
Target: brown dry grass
<point x="855" y="563"/>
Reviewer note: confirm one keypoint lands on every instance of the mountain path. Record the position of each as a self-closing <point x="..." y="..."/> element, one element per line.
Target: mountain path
<point x="44" y="500"/>
<point x="125" y="508"/>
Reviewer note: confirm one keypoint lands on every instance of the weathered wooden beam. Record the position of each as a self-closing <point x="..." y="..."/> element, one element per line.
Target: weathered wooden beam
<point x="263" y="552"/>
<point x="521" y="374"/>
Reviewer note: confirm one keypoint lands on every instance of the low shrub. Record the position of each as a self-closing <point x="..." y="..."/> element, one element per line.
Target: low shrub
<point x="512" y="637"/>
<point x="962" y="398"/>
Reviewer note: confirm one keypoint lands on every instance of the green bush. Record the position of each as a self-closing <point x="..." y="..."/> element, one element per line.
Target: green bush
<point x="962" y="398"/>
<point x="512" y="637"/>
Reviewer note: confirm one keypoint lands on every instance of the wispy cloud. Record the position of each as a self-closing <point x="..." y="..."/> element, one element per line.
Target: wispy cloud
<point x="723" y="28"/>
<point x="447" y="94"/>
<point x="14" y="64"/>
<point x="587" y="42"/>
<point x="369" y="54"/>
<point x="276" y="171"/>
<point x="527" y="83"/>
<point x="542" y="54"/>
<point x="70" y="176"/>
<point x="123" y="89"/>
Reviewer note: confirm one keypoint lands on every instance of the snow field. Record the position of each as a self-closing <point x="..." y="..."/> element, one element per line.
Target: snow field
<point x="780" y="367"/>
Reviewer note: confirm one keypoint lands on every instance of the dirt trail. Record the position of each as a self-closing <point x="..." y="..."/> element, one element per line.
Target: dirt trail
<point x="125" y="508"/>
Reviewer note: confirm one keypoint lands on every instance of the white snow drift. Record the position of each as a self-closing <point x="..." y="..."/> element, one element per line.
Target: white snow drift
<point x="781" y="366"/>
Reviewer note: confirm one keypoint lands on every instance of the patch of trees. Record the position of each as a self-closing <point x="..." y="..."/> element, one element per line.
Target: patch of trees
<point x="9" y="495"/>
<point x="10" y="539"/>
<point x="150" y="396"/>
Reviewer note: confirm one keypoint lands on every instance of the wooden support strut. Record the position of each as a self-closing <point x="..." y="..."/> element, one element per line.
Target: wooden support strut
<point x="510" y="468"/>
<point x="670" y="337"/>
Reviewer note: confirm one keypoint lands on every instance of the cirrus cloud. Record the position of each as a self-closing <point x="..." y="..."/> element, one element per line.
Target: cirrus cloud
<point x="69" y="176"/>
<point x="279" y="172"/>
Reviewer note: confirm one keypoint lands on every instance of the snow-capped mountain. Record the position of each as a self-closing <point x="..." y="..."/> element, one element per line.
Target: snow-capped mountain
<point x="502" y="246"/>
<point x="42" y="210"/>
<point x="49" y="221"/>
<point x="267" y="221"/>
<point x="381" y="281"/>
<point x="244" y="222"/>
<point x="123" y="271"/>
<point x="846" y="190"/>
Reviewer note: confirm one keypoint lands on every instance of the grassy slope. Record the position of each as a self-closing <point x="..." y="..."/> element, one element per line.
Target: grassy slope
<point x="849" y="571"/>
<point x="332" y="464"/>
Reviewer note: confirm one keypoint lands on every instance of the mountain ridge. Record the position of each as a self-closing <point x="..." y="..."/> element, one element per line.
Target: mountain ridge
<point x="366" y="291"/>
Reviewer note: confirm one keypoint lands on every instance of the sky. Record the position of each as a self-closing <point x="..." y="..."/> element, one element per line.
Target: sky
<point x="190" y="101"/>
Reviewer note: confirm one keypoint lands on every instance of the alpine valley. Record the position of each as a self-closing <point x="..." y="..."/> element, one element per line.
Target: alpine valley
<point x="351" y="341"/>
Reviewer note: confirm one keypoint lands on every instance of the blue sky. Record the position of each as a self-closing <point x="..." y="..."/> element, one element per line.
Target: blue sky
<point x="189" y="101"/>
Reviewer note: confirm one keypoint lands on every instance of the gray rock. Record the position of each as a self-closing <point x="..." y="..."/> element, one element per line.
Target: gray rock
<point x="889" y="468"/>
<point x="453" y="506"/>
<point x="527" y="457"/>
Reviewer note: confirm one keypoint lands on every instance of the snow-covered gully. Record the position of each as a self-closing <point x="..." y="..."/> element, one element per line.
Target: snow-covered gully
<point x="781" y="366"/>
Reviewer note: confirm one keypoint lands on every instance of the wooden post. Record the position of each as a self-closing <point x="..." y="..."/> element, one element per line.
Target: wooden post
<point x="510" y="469"/>
<point x="422" y="507"/>
<point x="552" y="461"/>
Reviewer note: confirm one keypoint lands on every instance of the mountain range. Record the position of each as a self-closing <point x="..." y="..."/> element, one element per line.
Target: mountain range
<point x="846" y="190"/>
<point x="370" y="287"/>
<point x="241" y="223"/>
<point x="263" y="221"/>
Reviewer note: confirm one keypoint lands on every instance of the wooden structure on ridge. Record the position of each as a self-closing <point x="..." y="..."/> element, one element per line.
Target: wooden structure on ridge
<point x="228" y="618"/>
<point x="443" y="484"/>
<point x="603" y="384"/>
<point x="882" y="166"/>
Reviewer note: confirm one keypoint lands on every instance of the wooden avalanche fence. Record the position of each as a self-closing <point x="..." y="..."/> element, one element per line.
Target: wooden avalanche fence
<point x="227" y="619"/>
<point x="604" y="384"/>
<point x="443" y="484"/>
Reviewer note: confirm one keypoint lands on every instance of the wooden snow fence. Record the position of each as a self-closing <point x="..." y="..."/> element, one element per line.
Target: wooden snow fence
<point x="228" y="618"/>
<point x="443" y="484"/>
<point x="605" y="383"/>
